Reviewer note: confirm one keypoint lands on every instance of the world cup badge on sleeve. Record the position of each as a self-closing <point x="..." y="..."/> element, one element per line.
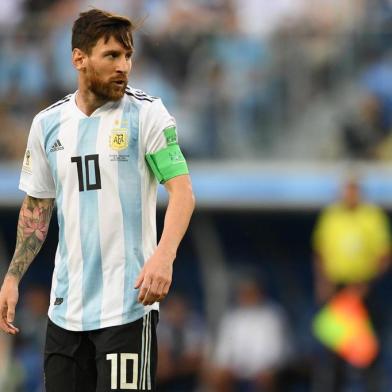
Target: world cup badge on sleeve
<point x="27" y="162"/>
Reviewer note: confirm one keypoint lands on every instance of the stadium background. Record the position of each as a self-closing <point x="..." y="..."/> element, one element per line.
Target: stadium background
<point x="276" y="101"/>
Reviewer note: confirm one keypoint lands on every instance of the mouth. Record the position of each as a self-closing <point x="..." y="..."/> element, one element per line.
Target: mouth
<point x="120" y="83"/>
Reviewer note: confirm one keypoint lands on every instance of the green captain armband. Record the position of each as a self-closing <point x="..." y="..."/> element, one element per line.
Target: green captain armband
<point x="167" y="163"/>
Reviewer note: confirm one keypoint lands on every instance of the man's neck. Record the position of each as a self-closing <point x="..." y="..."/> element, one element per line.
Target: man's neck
<point x="351" y="206"/>
<point x="87" y="101"/>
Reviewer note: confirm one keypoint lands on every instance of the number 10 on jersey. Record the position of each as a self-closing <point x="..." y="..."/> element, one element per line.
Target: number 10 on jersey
<point x="91" y="170"/>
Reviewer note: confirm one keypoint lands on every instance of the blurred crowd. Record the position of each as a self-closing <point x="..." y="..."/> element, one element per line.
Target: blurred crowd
<point x="239" y="75"/>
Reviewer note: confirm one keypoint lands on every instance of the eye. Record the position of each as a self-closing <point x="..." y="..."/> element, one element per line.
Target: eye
<point x="111" y="55"/>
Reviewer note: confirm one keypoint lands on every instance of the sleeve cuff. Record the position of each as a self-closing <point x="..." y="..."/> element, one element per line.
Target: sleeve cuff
<point x="37" y="194"/>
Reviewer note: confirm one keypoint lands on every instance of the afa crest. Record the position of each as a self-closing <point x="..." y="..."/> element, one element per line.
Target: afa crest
<point x="119" y="139"/>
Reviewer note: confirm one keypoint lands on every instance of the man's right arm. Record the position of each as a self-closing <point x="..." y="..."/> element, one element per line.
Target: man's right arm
<point x="33" y="224"/>
<point x="323" y="287"/>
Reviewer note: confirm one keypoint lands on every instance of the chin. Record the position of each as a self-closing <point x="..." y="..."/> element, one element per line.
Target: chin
<point x="116" y="93"/>
<point x="107" y="91"/>
<point x="116" y="96"/>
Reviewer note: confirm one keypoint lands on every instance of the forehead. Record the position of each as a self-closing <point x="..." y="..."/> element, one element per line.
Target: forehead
<point x="111" y="44"/>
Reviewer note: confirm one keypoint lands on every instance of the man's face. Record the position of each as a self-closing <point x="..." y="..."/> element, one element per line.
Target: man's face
<point x="351" y="194"/>
<point x="107" y="69"/>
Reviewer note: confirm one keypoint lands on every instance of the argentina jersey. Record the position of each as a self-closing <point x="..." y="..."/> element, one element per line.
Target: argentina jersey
<point x="103" y="171"/>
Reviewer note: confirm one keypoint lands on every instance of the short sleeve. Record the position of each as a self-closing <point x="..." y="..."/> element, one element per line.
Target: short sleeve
<point x="162" y="151"/>
<point x="36" y="178"/>
<point x="318" y="232"/>
<point x="157" y="119"/>
<point x="381" y="237"/>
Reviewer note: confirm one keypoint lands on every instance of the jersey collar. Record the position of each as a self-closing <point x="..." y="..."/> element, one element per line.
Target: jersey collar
<point x="107" y="106"/>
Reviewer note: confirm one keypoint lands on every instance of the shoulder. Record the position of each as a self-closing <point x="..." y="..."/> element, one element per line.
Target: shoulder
<point x="58" y="105"/>
<point x="139" y="96"/>
<point x="330" y="211"/>
<point x="370" y="209"/>
<point x="151" y="109"/>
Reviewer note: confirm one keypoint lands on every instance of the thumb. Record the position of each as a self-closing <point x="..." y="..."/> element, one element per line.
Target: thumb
<point x="140" y="279"/>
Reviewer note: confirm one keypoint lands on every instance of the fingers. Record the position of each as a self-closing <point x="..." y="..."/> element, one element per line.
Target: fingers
<point x="144" y="290"/>
<point x="140" y="279"/>
<point x="5" y="325"/>
<point x="165" y="290"/>
<point x="10" y="312"/>
<point x="8" y="301"/>
<point x="147" y="297"/>
<point x="155" y="291"/>
<point x="12" y="329"/>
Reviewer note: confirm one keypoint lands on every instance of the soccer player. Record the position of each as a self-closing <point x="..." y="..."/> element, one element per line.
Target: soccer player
<point x="99" y="154"/>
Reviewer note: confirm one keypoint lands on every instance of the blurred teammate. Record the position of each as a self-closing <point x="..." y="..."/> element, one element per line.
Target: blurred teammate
<point x="99" y="153"/>
<point x="352" y="249"/>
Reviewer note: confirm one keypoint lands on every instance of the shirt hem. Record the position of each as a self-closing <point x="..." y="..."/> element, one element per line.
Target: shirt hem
<point x="110" y="323"/>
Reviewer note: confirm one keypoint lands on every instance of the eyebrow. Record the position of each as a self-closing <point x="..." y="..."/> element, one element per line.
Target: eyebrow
<point x="116" y="52"/>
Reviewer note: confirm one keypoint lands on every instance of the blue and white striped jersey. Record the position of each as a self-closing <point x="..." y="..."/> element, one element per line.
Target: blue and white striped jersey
<point x="105" y="193"/>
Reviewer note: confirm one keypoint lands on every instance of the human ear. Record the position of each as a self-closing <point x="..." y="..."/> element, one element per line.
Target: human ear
<point x="79" y="59"/>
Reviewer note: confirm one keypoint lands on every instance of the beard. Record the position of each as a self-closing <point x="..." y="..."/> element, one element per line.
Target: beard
<point x="105" y="90"/>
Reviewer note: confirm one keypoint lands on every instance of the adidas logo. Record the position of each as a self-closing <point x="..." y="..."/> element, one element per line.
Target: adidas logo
<point x="57" y="146"/>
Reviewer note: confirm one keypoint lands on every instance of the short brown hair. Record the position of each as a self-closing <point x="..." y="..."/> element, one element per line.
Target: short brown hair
<point x="94" y="24"/>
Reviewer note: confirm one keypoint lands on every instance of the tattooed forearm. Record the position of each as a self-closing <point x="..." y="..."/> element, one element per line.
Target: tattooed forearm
<point x="33" y="224"/>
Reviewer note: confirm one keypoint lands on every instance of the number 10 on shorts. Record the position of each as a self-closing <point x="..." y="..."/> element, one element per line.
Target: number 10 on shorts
<point x="124" y="358"/>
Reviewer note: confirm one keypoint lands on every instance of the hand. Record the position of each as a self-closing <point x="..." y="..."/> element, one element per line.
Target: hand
<point x="9" y="295"/>
<point x="361" y="289"/>
<point x="155" y="279"/>
<point x="324" y="291"/>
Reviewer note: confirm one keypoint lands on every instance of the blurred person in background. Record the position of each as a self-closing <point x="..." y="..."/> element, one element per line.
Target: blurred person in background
<point x="352" y="249"/>
<point x="12" y="13"/>
<point x="182" y="343"/>
<point x="253" y="343"/>
<point x="12" y="142"/>
<point x="367" y="131"/>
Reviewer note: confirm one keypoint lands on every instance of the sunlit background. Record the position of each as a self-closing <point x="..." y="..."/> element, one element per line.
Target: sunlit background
<point x="276" y="101"/>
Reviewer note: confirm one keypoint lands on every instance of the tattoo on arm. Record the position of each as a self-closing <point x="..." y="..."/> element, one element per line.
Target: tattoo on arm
<point x="33" y="224"/>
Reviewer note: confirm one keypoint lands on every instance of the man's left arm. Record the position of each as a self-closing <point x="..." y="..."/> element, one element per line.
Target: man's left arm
<point x="155" y="278"/>
<point x="380" y="242"/>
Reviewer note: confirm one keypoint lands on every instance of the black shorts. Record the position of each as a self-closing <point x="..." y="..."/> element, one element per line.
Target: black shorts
<point x="120" y="358"/>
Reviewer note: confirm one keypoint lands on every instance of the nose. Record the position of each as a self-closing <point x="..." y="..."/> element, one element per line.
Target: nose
<point x="123" y="65"/>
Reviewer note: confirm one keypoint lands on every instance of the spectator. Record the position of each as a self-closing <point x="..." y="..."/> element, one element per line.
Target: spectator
<point x="12" y="144"/>
<point x="253" y="343"/>
<point x="251" y="12"/>
<point x="352" y="249"/>
<point x="368" y="133"/>
<point x="11" y="14"/>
